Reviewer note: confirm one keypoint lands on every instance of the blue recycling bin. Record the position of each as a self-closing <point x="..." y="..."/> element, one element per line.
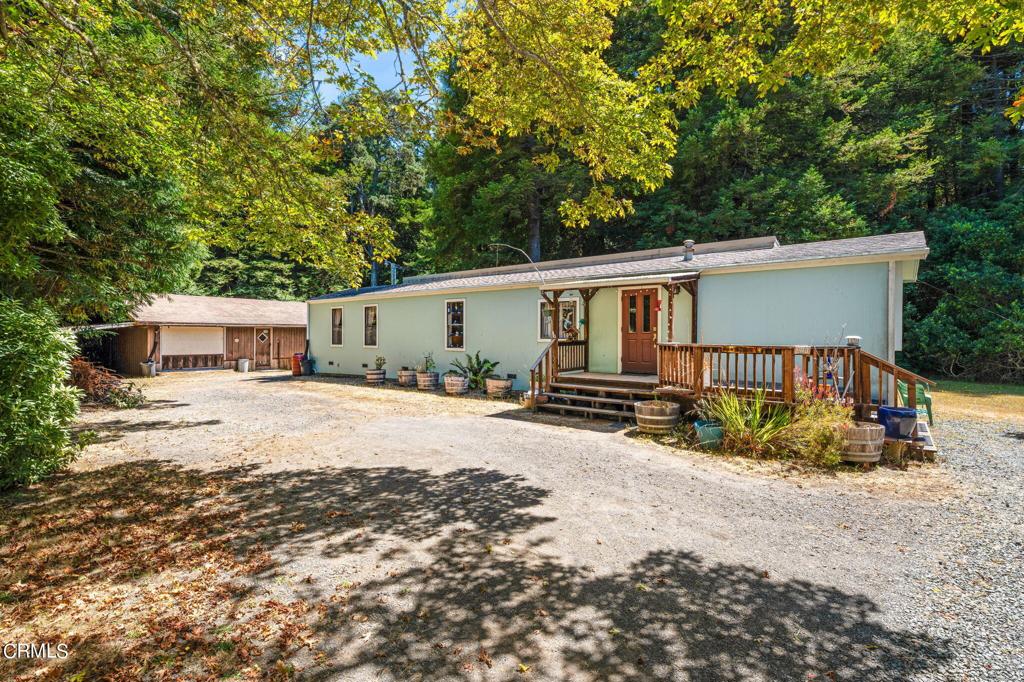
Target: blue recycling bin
<point x="899" y="422"/>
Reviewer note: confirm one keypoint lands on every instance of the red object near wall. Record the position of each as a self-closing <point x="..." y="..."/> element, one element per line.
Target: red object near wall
<point x="297" y="364"/>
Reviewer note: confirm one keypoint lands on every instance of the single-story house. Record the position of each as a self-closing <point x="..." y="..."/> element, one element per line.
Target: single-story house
<point x="747" y="291"/>
<point x="192" y="332"/>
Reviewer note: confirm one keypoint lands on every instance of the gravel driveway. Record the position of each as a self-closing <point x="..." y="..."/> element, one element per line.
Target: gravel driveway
<point x="489" y="543"/>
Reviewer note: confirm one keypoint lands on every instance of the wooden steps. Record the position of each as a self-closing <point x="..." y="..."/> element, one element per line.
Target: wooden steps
<point x="604" y="396"/>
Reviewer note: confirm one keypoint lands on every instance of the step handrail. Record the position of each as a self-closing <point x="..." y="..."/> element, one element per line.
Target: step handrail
<point x="542" y="371"/>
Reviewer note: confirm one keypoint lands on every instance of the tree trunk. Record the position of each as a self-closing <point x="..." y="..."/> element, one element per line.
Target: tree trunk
<point x="534" y="225"/>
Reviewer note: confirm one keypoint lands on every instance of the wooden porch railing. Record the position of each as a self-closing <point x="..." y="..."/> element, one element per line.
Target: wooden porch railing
<point x="850" y="371"/>
<point x="572" y="355"/>
<point x="557" y="356"/>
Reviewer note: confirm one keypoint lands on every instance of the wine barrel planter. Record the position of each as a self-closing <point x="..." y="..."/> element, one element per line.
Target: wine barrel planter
<point x="426" y="381"/>
<point x="375" y="377"/>
<point x="498" y="388"/>
<point x="864" y="442"/>
<point x="455" y="384"/>
<point x="656" y="416"/>
<point x="406" y="377"/>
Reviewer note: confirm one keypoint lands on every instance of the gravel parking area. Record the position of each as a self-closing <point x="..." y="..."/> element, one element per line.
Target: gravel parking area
<point x="441" y="538"/>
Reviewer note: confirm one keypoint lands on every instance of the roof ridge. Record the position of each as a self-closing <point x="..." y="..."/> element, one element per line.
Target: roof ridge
<point x="745" y="244"/>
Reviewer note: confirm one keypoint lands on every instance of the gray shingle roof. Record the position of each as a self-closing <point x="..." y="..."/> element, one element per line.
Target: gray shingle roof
<point x="630" y="266"/>
<point x="216" y="310"/>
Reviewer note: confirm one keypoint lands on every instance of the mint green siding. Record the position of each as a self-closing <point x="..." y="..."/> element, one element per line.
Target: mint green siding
<point x="606" y="327"/>
<point x="814" y="305"/>
<point x="501" y="324"/>
<point x="810" y="305"/>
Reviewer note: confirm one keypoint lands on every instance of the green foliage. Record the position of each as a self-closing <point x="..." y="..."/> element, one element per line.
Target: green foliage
<point x="37" y="408"/>
<point x="750" y="427"/>
<point x="475" y="369"/>
<point x="379" y="362"/>
<point x="817" y="434"/>
<point x="968" y="318"/>
<point x="428" y="364"/>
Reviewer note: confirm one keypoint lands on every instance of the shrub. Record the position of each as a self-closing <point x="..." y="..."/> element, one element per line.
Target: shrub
<point x="818" y="432"/>
<point x="379" y="362"/>
<point x="100" y="385"/>
<point x="37" y="407"/>
<point x="750" y="427"/>
<point x="475" y="369"/>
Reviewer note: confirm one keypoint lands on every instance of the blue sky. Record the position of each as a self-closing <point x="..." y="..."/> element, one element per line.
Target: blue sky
<point x="383" y="68"/>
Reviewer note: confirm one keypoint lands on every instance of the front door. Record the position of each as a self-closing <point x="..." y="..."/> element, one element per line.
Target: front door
<point x="263" y="346"/>
<point x="640" y="331"/>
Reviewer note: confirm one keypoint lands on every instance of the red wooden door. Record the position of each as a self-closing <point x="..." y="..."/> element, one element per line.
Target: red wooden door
<point x="640" y="331"/>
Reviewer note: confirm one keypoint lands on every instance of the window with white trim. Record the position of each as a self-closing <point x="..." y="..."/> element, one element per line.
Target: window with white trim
<point x="568" y="318"/>
<point x="370" y="326"/>
<point x="337" y="315"/>
<point x="455" y="325"/>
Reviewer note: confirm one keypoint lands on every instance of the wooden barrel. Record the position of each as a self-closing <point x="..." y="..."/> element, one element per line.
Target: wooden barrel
<point x="375" y="377"/>
<point x="426" y="381"/>
<point x="498" y="388"/>
<point x="406" y="377"/>
<point x="864" y="442"/>
<point x="656" y="416"/>
<point x="455" y="385"/>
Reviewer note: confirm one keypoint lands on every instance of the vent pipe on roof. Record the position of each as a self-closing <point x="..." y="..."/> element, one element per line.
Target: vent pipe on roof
<point x="688" y="249"/>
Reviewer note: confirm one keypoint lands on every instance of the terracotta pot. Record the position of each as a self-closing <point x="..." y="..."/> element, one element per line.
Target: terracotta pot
<point x="455" y="384"/>
<point x="426" y="381"/>
<point x="406" y="377"/>
<point x="498" y="388"/>
<point x="376" y="377"/>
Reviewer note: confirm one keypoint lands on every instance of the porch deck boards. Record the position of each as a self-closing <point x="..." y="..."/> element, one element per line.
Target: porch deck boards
<point x="619" y="379"/>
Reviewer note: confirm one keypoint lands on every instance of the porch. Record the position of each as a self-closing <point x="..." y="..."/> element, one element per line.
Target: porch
<point x="691" y="370"/>
<point x="559" y="380"/>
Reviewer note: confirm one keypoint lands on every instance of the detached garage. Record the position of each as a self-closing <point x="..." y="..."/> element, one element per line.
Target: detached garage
<point x="197" y="332"/>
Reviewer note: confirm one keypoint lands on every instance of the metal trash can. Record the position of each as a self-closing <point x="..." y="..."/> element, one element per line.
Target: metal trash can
<point x="148" y="368"/>
<point x="242" y="365"/>
<point x="899" y="422"/>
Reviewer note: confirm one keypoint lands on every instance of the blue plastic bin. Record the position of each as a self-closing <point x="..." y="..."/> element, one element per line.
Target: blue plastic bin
<point x="709" y="434"/>
<point x="899" y="422"/>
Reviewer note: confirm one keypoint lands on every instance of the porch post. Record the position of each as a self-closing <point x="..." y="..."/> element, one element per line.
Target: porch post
<point x="556" y="331"/>
<point x="587" y="294"/>
<point x="672" y="290"/>
<point x="691" y="288"/>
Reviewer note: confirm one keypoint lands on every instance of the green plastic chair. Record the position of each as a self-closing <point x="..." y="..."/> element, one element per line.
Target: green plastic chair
<point x="923" y="398"/>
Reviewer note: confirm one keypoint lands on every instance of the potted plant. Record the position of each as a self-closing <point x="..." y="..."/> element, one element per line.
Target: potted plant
<point x="426" y="374"/>
<point x="455" y="382"/>
<point x="406" y="377"/>
<point x="476" y="369"/>
<point x="496" y="386"/>
<point x="376" y="376"/>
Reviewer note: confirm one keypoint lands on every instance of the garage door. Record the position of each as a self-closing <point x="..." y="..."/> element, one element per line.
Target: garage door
<point x="191" y="347"/>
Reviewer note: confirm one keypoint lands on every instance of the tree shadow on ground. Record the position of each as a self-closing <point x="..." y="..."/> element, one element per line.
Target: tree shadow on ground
<point x="113" y="430"/>
<point x="525" y="414"/>
<point x="168" y="571"/>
